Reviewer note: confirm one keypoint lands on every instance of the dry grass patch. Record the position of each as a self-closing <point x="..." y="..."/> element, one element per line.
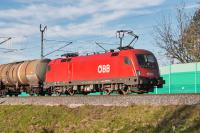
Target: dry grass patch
<point x="49" y="119"/>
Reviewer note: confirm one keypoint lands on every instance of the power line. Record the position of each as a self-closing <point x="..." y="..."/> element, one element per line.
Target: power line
<point x="51" y="40"/>
<point x="57" y="49"/>
<point x="9" y="38"/>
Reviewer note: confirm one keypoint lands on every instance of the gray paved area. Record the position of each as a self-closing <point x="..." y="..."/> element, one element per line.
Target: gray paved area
<point x="75" y="101"/>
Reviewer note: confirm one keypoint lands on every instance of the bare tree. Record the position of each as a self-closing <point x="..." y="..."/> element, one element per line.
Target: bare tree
<point x="174" y="40"/>
<point x="191" y="37"/>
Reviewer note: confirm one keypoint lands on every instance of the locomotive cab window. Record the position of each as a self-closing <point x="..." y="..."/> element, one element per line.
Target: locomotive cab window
<point x="146" y="61"/>
<point x="127" y="61"/>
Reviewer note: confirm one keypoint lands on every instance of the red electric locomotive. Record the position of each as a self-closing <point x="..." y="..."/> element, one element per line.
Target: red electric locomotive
<point x="125" y="70"/>
<point x="128" y="70"/>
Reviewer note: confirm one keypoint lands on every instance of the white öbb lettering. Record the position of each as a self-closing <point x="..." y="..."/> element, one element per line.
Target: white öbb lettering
<point x="103" y="68"/>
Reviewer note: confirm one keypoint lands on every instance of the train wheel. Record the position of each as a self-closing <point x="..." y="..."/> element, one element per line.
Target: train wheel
<point x="2" y="93"/>
<point x="85" y="93"/>
<point x="124" y="90"/>
<point x="140" y="93"/>
<point x="31" y="93"/>
<point x="107" y="91"/>
<point x="49" y="91"/>
<point x="70" y="91"/>
<point x="58" y="93"/>
<point x="16" y="94"/>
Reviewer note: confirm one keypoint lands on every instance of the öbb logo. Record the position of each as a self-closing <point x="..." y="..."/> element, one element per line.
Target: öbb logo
<point x="104" y="68"/>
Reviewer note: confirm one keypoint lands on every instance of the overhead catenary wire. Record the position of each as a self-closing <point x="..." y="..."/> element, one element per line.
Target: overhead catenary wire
<point x="101" y="46"/>
<point x="57" y="49"/>
<point x="7" y="39"/>
<point x="51" y="40"/>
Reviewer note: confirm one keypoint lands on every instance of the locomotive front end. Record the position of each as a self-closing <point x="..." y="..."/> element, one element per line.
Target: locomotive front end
<point x="147" y="70"/>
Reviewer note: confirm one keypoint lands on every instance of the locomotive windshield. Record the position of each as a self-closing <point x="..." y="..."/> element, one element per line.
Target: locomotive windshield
<point x="147" y="61"/>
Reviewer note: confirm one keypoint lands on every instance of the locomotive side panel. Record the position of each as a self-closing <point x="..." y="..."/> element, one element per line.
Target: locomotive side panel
<point x="57" y="71"/>
<point x="91" y="68"/>
<point x="99" y="67"/>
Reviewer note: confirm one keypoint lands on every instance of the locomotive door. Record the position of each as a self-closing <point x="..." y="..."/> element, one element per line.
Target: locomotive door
<point x="70" y="71"/>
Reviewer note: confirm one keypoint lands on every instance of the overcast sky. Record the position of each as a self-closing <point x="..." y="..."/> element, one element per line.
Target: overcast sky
<point x="81" y="21"/>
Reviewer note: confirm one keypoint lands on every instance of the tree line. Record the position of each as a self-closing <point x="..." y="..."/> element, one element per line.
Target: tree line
<point x="180" y="43"/>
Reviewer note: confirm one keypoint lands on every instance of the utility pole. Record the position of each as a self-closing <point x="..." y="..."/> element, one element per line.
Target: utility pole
<point x="42" y="40"/>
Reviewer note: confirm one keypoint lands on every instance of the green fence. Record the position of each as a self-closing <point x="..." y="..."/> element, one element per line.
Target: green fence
<point x="180" y="78"/>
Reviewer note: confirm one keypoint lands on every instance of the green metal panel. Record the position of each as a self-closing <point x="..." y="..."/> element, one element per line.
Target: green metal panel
<point x="164" y="70"/>
<point x="189" y="67"/>
<point x="180" y="78"/>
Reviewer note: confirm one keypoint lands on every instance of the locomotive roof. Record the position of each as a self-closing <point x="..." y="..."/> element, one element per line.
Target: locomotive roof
<point x="120" y="52"/>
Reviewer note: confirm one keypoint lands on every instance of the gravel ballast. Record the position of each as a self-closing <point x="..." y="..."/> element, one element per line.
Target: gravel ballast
<point x="75" y="101"/>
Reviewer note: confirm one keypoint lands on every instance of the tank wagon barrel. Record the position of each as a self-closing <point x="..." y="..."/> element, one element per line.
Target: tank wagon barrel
<point x="1" y="68"/>
<point x="23" y="74"/>
<point x="32" y="72"/>
<point x="4" y="74"/>
<point x="12" y="73"/>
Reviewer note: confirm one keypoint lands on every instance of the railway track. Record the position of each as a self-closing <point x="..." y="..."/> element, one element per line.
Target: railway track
<point x="118" y="100"/>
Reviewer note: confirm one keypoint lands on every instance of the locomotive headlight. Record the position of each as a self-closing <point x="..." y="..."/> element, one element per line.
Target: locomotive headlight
<point x="138" y="72"/>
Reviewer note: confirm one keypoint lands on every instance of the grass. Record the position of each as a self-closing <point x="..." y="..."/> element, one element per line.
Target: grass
<point x="49" y="119"/>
